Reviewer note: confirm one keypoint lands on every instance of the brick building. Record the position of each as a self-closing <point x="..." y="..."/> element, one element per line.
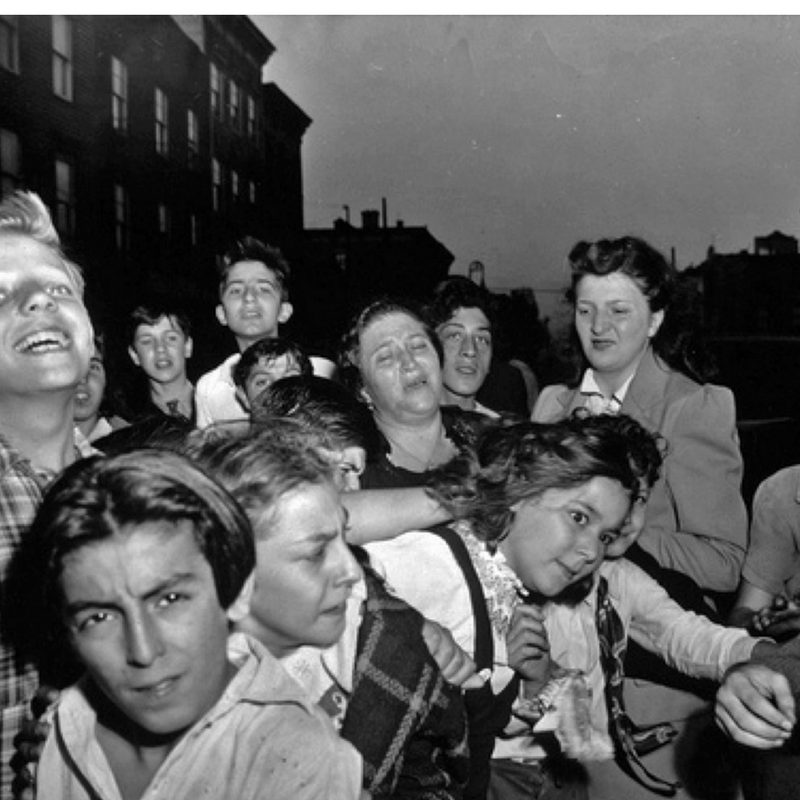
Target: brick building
<point x="154" y="142"/>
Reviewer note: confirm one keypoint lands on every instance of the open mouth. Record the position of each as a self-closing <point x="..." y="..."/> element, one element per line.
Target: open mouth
<point x="43" y="342"/>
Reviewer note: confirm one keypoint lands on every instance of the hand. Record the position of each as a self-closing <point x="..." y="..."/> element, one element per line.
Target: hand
<point x="755" y="706"/>
<point x="29" y="743"/>
<point x="528" y="646"/>
<point x="455" y="665"/>
<point x="781" y="620"/>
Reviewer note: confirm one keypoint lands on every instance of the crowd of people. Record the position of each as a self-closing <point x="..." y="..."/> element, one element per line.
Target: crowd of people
<point x="370" y="578"/>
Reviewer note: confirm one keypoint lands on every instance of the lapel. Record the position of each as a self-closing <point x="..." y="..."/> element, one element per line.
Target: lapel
<point x="649" y="386"/>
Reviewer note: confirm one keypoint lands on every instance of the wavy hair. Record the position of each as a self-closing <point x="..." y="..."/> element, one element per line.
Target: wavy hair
<point x="519" y="462"/>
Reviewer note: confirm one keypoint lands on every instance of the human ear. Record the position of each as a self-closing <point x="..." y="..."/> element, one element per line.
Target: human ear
<point x="240" y="607"/>
<point x="656" y="319"/>
<point x="221" y="317"/>
<point x="287" y="309"/>
<point x="134" y="357"/>
<point x="188" y="347"/>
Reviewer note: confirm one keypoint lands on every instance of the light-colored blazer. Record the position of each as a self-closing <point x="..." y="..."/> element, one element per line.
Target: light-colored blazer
<point x="696" y="517"/>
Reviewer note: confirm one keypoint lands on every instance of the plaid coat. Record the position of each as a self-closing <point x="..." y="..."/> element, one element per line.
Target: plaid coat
<point x="405" y="720"/>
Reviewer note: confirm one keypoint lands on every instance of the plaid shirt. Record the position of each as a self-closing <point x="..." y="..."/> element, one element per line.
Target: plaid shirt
<point x="21" y="490"/>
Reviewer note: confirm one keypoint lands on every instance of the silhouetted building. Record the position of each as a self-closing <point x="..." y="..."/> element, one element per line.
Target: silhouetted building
<point x="154" y="142"/>
<point x="753" y="294"/>
<point x="344" y="265"/>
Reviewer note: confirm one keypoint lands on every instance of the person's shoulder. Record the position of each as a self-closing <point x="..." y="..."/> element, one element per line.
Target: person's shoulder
<point x="219" y="372"/>
<point x="551" y="403"/>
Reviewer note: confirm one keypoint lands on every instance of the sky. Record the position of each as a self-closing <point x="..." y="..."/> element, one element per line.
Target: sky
<point x="513" y="137"/>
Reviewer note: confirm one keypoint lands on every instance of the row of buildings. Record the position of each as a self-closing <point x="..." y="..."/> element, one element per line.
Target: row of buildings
<point x="155" y="141"/>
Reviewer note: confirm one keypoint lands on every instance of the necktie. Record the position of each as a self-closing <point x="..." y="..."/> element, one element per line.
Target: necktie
<point x="630" y="740"/>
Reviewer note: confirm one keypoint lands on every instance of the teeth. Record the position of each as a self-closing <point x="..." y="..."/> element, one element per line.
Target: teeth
<point x="43" y="340"/>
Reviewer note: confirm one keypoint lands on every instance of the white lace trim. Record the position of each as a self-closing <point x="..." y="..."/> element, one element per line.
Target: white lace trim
<point x="502" y="588"/>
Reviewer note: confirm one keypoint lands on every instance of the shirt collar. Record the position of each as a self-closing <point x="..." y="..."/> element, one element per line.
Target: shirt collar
<point x="596" y="401"/>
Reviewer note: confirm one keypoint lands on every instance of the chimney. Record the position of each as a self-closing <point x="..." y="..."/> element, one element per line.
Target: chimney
<point x="385" y="218"/>
<point x="369" y="220"/>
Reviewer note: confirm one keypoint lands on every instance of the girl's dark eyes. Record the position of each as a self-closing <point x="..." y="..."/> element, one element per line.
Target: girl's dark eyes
<point x="579" y="517"/>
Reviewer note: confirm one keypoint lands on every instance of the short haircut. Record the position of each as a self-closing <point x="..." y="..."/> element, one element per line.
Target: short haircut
<point x="324" y="408"/>
<point x="260" y="464"/>
<point x="251" y="249"/>
<point x="350" y="344"/>
<point x="455" y="293"/>
<point x="102" y="497"/>
<point x="269" y="349"/>
<point x="152" y="313"/>
<point x="512" y="463"/>
<point x="25" y="214"/>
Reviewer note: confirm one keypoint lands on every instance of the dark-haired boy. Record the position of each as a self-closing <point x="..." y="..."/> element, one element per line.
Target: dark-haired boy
<point x="253" y="303"/>
<point x="265" y="362"/>
<point x="160" y="342"/>
<point x="145" y="563"/>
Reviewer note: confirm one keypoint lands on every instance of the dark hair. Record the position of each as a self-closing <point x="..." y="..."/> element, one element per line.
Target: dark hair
<point x="678" y="340"/>
<point x="259" y="464"/>
<point x="250" y="249"/>
<point x="269" y="349"/>
<point x="523" y="460"/>
<point x="455" y="293"/>
<point x="350" y="345"/>
<point x="150" y="314"/>
<point x="102" y="497"/>
<point x="324" y="408"/>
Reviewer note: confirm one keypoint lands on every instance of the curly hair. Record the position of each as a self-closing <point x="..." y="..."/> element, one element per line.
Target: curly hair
<point x="678" y="341"/>
<point x="519" y="462"/>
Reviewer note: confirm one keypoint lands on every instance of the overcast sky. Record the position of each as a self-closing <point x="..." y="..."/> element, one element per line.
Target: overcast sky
<point x="513" y="137"/>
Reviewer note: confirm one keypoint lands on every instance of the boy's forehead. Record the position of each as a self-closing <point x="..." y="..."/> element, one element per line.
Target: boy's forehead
<point x="242" y="270"/>
<point x="165" y="322"/>
<point x="21" y="254"/>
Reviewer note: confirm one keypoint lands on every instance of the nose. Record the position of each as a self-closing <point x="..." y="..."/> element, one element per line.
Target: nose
<point x="589" y="547"/>
<point x="348" y="571"/>
<point x="35" y="297"/>
<point x="600" y="321"/>
<point x="145" y="644"/>
<point x="468" y="345"/>
<point x="249" y="293"/>
<point x="407" y="360"/>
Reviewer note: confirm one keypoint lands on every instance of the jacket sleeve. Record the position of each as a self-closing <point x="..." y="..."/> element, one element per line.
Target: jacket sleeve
<point x="696" y="516"/>
<point x="548" y="408"/>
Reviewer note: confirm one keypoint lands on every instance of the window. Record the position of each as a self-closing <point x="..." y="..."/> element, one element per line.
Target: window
<point x="216" y="93"/>
<point x="65" y="196"/>
<point x="235" y="185"/>
<point x="62" y="56"/>
<point x="194" y="229"/>
<point x="119" y="95"/>
<point x="162" y="119"/>
<point x="233" y="106"/>
<point x="252" y="121"/>
<point x="9" y="42"/>
<point x="192" y="136"/>
<point x="216" y="180"/>
<point x="253" y="192"/>
<point x="10" y="162"/>
<point x="121" y="218"/>
<point x="164" y="219"/>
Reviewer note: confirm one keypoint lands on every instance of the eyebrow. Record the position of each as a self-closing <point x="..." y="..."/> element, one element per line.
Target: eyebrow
<point x="174" y="581"/>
